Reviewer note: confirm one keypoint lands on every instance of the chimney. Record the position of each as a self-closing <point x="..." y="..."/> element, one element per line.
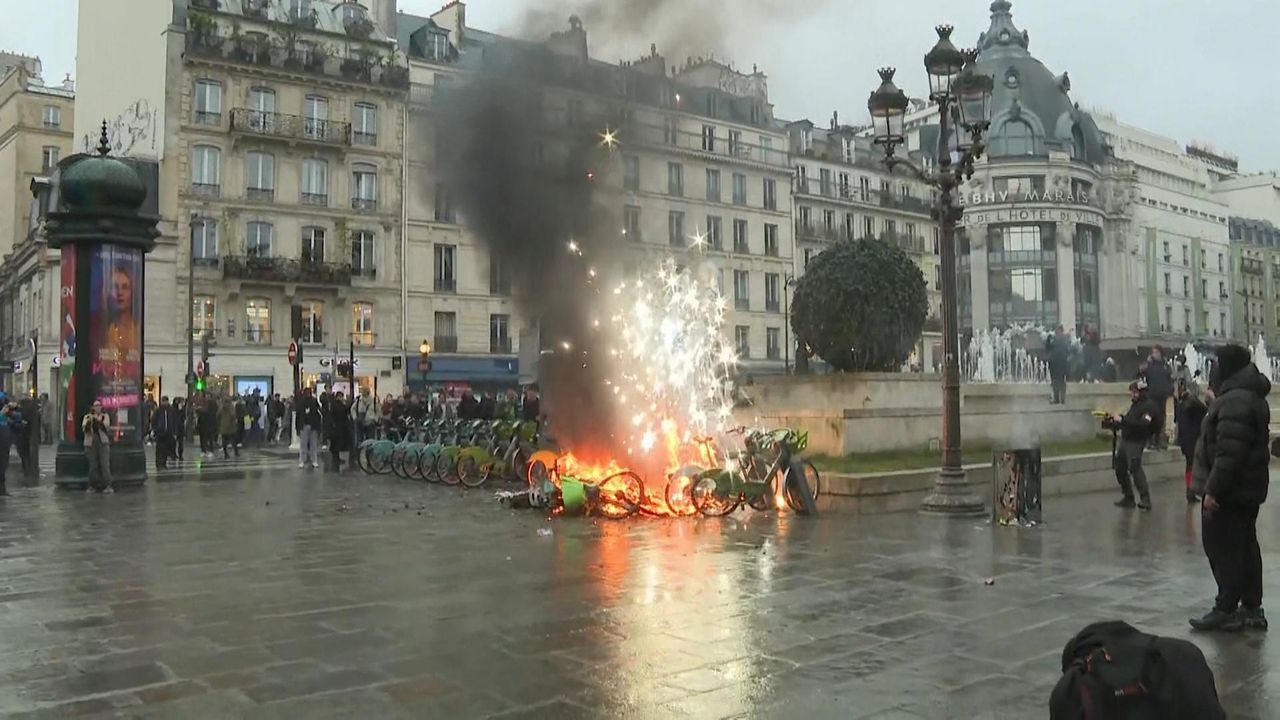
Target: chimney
<point x="835" y="120"/>
<point x="68" y="84"/>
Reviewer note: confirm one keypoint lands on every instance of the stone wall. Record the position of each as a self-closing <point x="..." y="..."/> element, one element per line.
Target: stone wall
<point x="872" y="412"/>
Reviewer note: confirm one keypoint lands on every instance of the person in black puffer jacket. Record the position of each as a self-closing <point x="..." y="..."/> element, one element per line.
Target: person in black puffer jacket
<point x="1191" y="412"/>
<point x="1231" y="471"/>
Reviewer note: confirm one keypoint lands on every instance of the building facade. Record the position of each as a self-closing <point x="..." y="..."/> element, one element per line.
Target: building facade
<point x="278" y="130"/>
<point x="843" y="192"/>
<point x="35" y="134"/>
<point x="1255" y="279"/>
<point x="701" y="168"/>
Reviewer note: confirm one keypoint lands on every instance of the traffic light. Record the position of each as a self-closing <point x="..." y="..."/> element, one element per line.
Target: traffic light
<point x="199" y="383"/>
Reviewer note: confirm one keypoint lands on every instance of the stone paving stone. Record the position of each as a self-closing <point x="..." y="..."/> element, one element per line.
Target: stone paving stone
<point x="194" y="600"/>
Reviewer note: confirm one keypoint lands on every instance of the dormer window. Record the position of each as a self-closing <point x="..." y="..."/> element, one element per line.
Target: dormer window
<point x="438" y="46"/>
<point x="352" y="12"/>
<point x="806" y="140"/>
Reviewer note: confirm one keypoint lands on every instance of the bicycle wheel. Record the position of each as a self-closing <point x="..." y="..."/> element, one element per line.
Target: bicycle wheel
<point x="539" y="481"/>
<point x="621" y="495"/>
<point x="447" y="469"/>
<point x="707" y="501"/>
<point x="413" y="464"/>
<point x="470" y="473"/>
<point x="380" y="461"/>
<point x="362" y="459"/>
<point x="427" y="466"/>
<point x="679" y="491"/>
<point x="794" y="501"/>
<point x="763" y="503"/>
<point x="397" y="463"/>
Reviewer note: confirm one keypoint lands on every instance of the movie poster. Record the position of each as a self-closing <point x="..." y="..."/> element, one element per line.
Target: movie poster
<point x="115" y="309"/>
<point x="67" y="343"/>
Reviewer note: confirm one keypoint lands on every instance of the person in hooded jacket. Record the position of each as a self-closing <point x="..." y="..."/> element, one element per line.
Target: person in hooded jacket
<point x="1231" y="471"/>
<point x="1135" y="432"/>
<point x="1191" y="412"/>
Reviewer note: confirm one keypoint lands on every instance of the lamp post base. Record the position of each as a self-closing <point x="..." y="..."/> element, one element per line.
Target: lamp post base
<point x="951" y="496"/>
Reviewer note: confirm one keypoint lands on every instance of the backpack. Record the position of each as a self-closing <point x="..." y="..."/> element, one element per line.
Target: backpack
<point x="1111" y="671"/>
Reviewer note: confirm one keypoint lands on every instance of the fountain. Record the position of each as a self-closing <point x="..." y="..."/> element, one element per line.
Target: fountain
<point x="1000" y="356"/>
<point x="1262" y="360"/>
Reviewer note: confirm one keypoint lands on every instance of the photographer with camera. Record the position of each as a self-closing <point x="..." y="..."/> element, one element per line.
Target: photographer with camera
<point x="1135" y="428"/>
<point x="97" y="447"/>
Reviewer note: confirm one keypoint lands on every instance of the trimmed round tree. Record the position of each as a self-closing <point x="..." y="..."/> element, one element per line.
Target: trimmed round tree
<point x="860" y="305"/>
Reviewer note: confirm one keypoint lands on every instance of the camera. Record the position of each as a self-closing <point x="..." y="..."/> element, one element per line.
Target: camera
<point x="1111" y="422"/>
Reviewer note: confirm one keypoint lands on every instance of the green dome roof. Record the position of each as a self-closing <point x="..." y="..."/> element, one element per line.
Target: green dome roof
<point x="99" y="182"/>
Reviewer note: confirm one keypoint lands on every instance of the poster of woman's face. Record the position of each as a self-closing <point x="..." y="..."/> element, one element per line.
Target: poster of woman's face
<point x="115" y="285"/>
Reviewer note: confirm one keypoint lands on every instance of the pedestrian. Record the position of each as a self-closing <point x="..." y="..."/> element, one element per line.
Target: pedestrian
<point x="97" y="448"/>
<point x="229" y="426"/>
<point x="8" y="416"/>
<point x="253" y="406"/>
<point x="531" y="408"/>
<point x="242" y="420"/>
<point x="208" y="426"/>
<point x="508" y="406"/>
<point x="1232" y="472"/>
<point x="273" y="418"/>
<point x="180" y="427"/>
<point x="339" y="431"/>
<point x="488" y="406"/>
<point x="468" y="408"/>
<point x="46" y="420"/>
<point x="1159" y="389"/>
<point x="148" y="409"/>
<point x="1191" y="412"/>
<point x="24" y="428"/>
<point x="1059" y="362"/>
<point x="366" y="415"/>
<point x="1135" y="431"/>
<point x="162" y="427"/>
<point x="308" y="421"/>
<point x="1109" y="373"/>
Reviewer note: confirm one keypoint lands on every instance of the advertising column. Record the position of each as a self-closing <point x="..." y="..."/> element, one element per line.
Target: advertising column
<point x="115" y="311"/>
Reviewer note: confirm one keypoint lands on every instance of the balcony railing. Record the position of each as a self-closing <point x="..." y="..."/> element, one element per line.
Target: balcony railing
<point x="362" y="67"/>
<point x="445" y="344"/>
<point x="364" y="271"/>
<point x="446" y="284"/>
<point x="207" y="190"/>
<point x="285" y="270"/>
<point x="365" y="204"/>
<point x="317" y="199"/>
<point x="772" y="306"/>
<point x="500" y="345"/>
<point x="743" y="304"/>
<point x="257" y="336"/>
<point x="364" y="138"/>
<point x="212" y="119"/>
<point x="260" y="194"/>
<point x="290" y="127"/>
<point x="208" y="262"/>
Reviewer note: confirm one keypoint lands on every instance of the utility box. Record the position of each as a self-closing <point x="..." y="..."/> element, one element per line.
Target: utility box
<point x="1016" y="482"/>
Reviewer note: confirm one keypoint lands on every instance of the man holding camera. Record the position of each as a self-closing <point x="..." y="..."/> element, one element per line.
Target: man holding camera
<point x="1135" y="431"/>
<point x="97" y="447"/>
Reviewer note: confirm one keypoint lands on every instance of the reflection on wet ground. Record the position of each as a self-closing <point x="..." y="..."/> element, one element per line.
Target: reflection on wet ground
<point x="289" y="595"/>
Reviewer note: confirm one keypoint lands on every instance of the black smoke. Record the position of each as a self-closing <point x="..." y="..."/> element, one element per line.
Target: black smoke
<point x="527" y="187"/>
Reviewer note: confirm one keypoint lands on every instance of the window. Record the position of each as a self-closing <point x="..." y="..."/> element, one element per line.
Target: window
<point x="771" y="240"/>
<point x="1222" y="324"/>
<point x="713" y="185"/>
<point x="446" y="332"/>
<point x="1186" y="286"/>
<point x="362" y="253"/>
<point x="1204" y="259"/>
<point x="1018" y="187"/>
<point x="1168" y="319"/>
<point x="675" y="179"/>
<point x="770" y="194"/>
<point x="937" y="277"/>
<point x="262" y="106"/>
<point x="772" y="344"/>
<point x="315" y="116"/>
<point x="1186" y="318"/>
<point x="205" y="308"/>
<point x="364" y="124"/>
<point x="204" y="241"/>
<point x="364" y="187"/>
<point x="735" y="143"/>
<point x="499" y="334"/>
<point x="847" y="148"/>
<point x="824" y="182"/>
<point x="48" y="157"/>
<point x="257" y="321"/>
<point x="675" y="228"/>
<point x="741" y="243"/>
<point x="631" y="173"/>
<point x="1220" y="268"/>
<point x="1222" y="290"/>
<point x="937" y="247"/>
<point x="313" y="245"/>
<point x="868" y="227"/>
<point x="829" y="221"/>
<point x="742" y="289"/>
<point x="206" y="167"/>
<point x="808" y="256"/>
<point x="446" y="272"/>
<point x="1186" y="260"/>
<point x="260" y="176"/>
<point x="864" y="188"/>
<point x="315" y="182"/>
<point x="671" y="131"/>
<point x="312" y="322"/>
<point x="1015" y="138"/>
<point x="499" y="277"/>
<point x="631" y="223"/>
<point x="715" y="232"/>
<point x="299" y="9"/>
<point x="1168" y="284"/>
<point x="771" y="284"/>
<point x="742" y="340"/>
<point x="362" y="334"/>
<point x="766" y="149"/>
<point x="52" y="116"/>
<point x="1167" y="255"/>
<point x="1022" y="238"/>
<point x="257" y="239"/>
<point x="709" y="138"/>
<point x="208" y="102"/>
<point x="444" y="204"/>
<point x="739" y="189"/>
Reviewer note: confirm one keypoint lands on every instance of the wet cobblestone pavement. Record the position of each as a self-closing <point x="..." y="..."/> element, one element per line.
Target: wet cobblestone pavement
<point x="291" y="595"/>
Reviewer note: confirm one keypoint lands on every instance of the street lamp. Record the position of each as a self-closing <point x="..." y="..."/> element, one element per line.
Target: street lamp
<point x="790" y="282"/>
<point x="963" y="97"/>
<point x="424" y="349"/>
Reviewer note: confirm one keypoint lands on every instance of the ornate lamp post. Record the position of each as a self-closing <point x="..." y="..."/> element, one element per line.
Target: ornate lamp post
<point x="104" y="239"/>
<point x="963" y="97"/>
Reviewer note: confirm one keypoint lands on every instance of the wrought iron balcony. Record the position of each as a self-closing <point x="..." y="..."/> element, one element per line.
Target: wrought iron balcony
<point x="260" y="194"/>
<point x="208" y="190"/>
<point x="293" y="128"/>
<point x="285" y="270"/>
<point x="500" y="345"/>
<point x="317" y="199"/>
<point x="366" y="204"/>
<point x="445" y="344"/>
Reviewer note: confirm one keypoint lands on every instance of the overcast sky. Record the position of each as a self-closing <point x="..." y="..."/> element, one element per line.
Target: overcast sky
<point x="1183" y="68"/>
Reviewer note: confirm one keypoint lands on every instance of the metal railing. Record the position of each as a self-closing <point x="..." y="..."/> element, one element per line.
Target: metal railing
<point x="260" y="194"/>
<point x="500" y="345"/>
<point x="285" y="270"/>
<point x="208" y="190"/>
<point x="446" y="284"/>
<point x="363" y="67"/>
<point x="367" y="204"/>
<point x="445" y="344"/>
<point x="290" y="127"/>
<point x="316" y="199"/>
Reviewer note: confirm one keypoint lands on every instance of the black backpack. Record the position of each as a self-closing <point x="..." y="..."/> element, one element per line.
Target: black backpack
<point x="1111" y="671"/>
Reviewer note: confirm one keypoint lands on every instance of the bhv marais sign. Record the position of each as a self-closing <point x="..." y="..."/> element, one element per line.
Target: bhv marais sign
<point x="975" y="215"/>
